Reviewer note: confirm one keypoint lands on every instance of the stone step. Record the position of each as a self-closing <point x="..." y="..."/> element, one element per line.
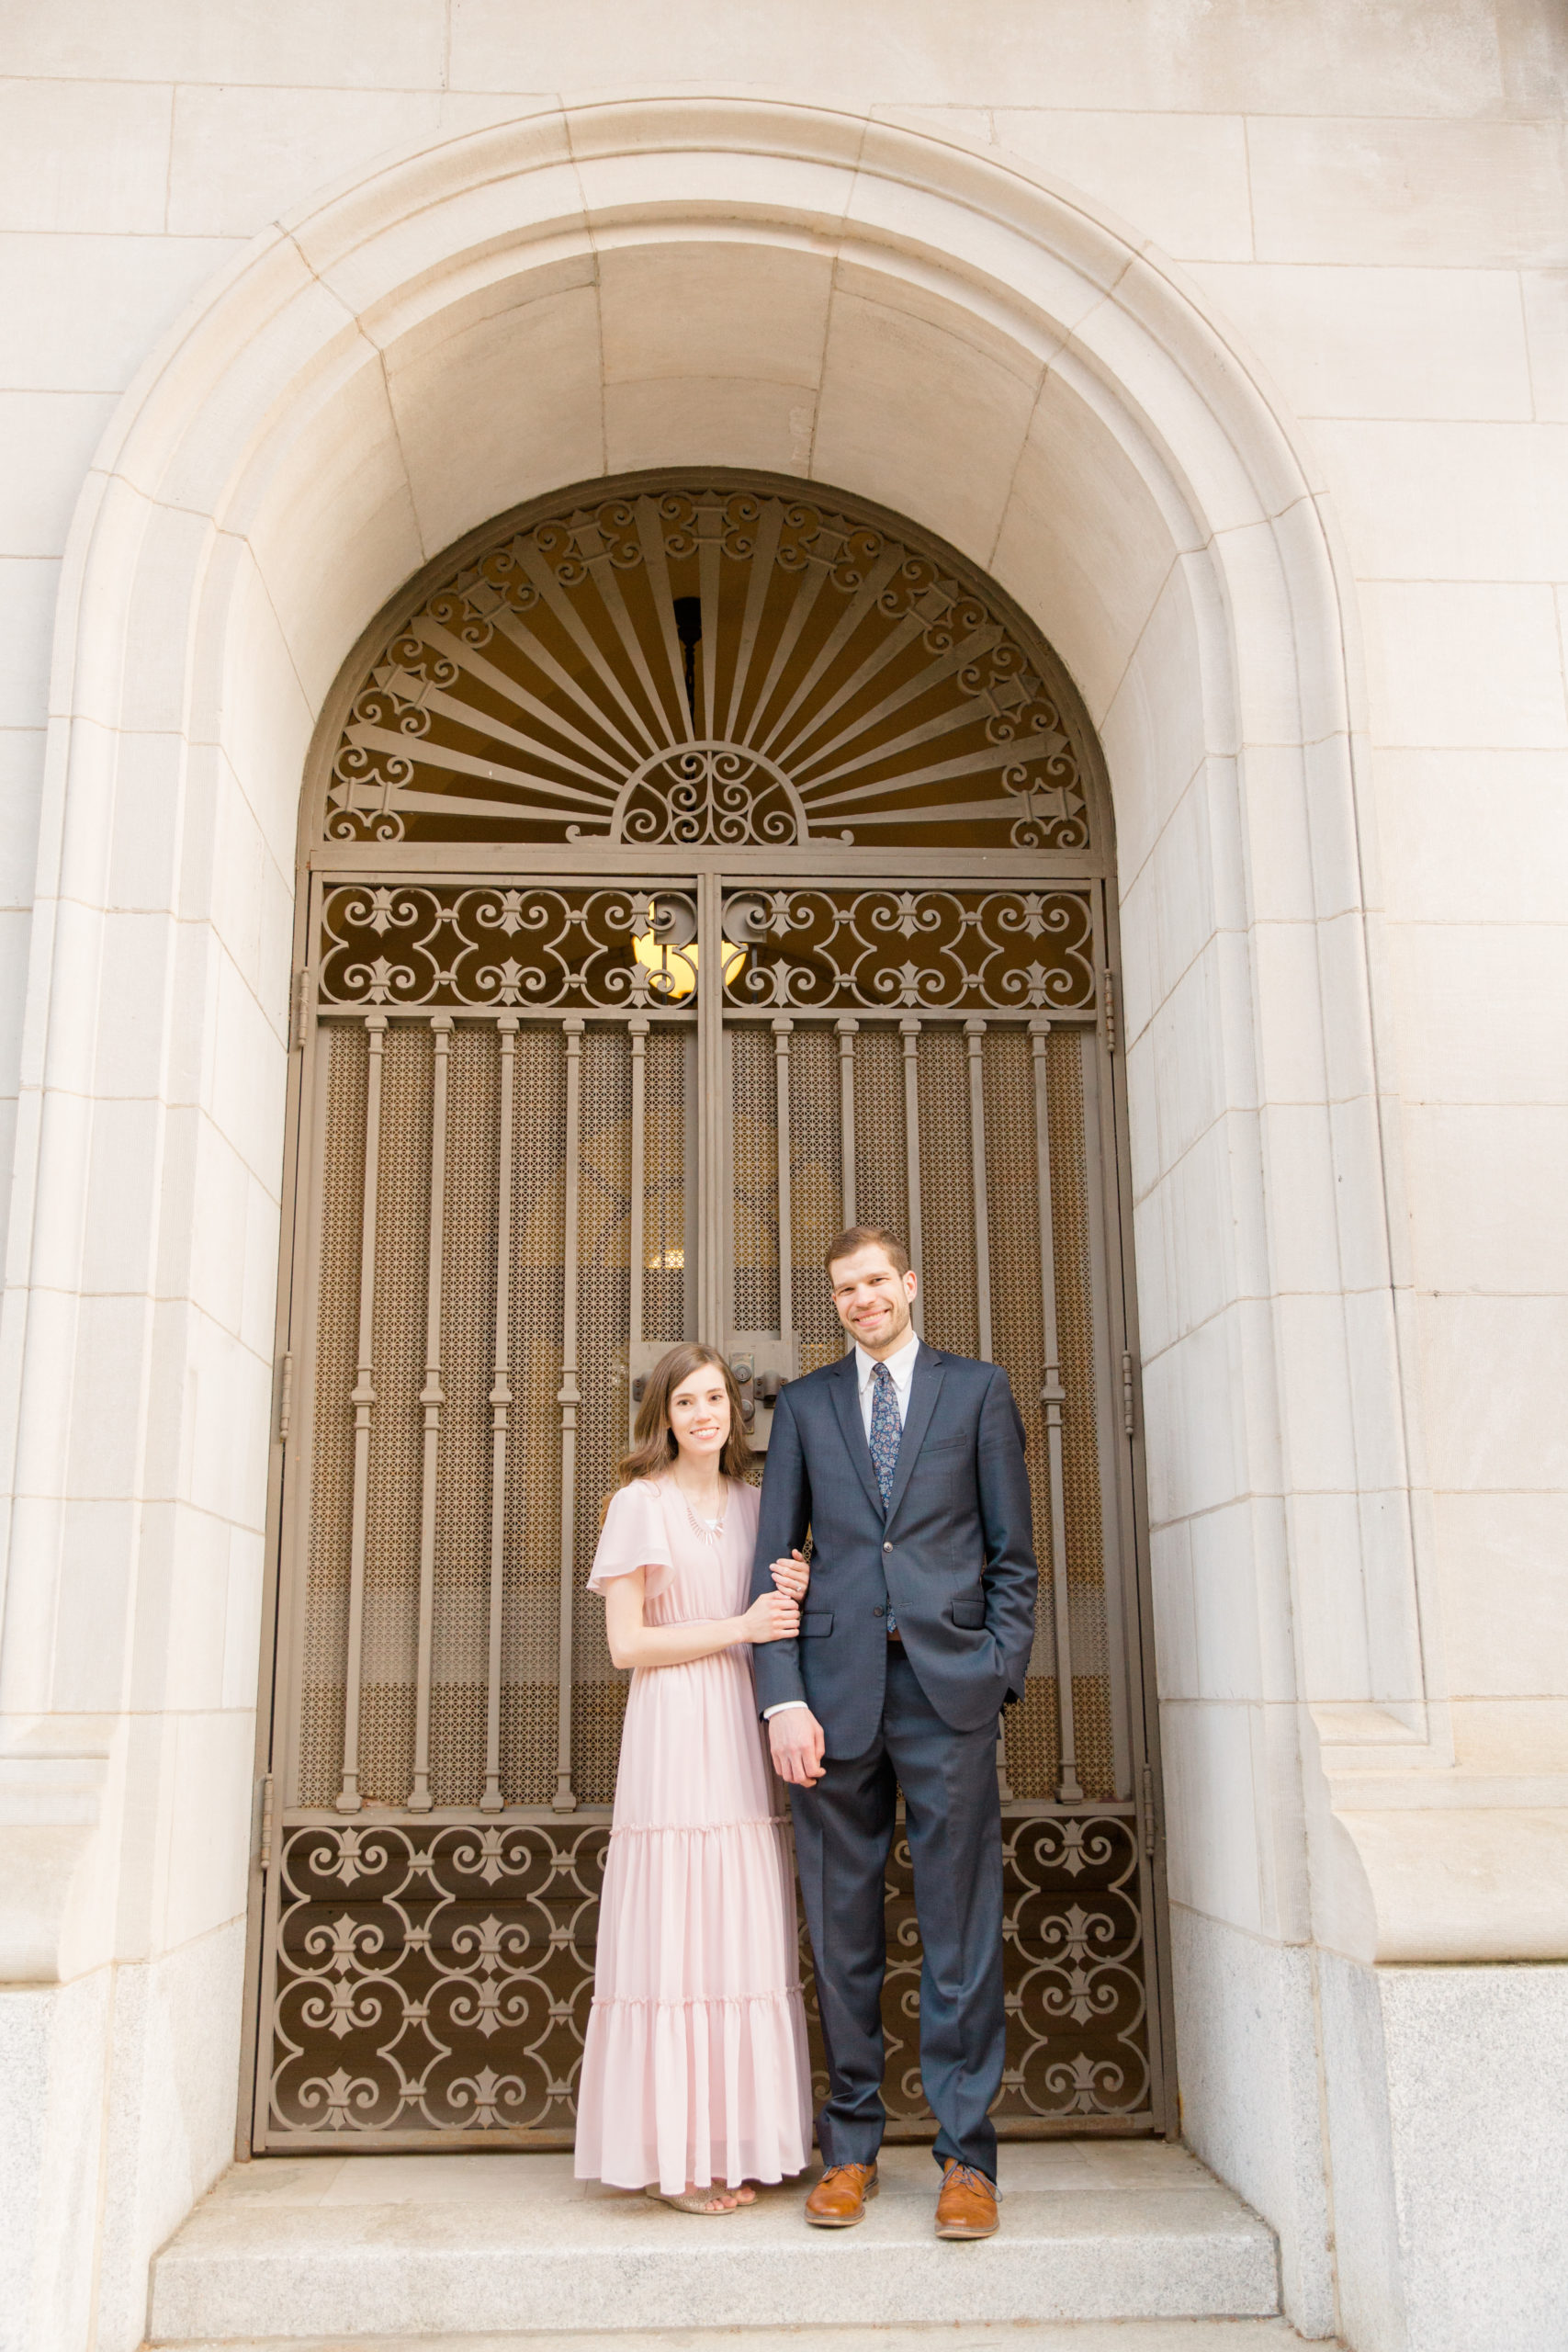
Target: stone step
<point x="355" y="2247"/>
<point x="1065" y="2335"/>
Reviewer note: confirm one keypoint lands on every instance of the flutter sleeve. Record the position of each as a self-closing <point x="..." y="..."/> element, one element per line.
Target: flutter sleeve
<point x="634" y="1536"/>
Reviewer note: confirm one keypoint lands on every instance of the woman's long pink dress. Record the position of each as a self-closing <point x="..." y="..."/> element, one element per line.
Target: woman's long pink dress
<point x="696" y="2064"/>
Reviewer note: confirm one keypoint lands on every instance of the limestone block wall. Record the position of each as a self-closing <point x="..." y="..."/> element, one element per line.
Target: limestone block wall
<point x="1376" y="202"/>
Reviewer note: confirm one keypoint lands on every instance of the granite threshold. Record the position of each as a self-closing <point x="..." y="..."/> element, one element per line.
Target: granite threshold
<point x="498" y="2248"/>
<point x="1009" y="2335"/>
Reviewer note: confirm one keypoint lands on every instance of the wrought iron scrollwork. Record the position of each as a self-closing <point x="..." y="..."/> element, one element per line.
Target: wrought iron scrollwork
<point x="1072" y="1964"/>
<point x="1078" y="2004"/>
<point x="960" y="950"/>
<point x="438" y="1978"/>
<point x="433" y="1978"/>
<point x="709" y="793"/>
<point x="532" y="948"/>
<point x="835" y="683"/>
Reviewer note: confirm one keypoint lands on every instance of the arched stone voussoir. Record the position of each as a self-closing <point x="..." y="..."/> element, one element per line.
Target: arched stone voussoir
<point x="245" y="349"/>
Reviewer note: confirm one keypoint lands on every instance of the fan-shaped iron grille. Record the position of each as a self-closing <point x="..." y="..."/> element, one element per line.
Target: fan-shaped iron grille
<point x="704" y="665"/>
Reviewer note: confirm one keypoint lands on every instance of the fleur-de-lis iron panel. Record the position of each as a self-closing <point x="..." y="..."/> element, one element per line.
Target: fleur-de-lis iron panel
<point x="509" y="947"/>
<point x="439" y="1976"/>
<point x="710" y="665"/>
<point x="966" y="950"/>
<point x="816" y="928"/>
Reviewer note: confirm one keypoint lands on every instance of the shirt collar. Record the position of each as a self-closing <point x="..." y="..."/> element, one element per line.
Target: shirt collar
<point x="900" y="1363"/>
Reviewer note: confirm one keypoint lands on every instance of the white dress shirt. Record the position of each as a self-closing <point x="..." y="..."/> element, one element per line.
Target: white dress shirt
<point x="901" y="1365"/>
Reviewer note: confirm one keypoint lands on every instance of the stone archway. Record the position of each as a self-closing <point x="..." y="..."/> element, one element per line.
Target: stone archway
<point x="731" y="282"/>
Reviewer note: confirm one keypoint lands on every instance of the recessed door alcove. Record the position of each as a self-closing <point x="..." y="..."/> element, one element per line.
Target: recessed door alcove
<point x="690" y="864"/>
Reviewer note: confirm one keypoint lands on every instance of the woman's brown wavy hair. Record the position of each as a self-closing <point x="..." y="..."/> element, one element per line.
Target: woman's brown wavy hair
<point x="653" y="1439"/>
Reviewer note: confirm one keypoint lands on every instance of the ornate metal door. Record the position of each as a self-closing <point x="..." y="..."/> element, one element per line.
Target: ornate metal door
<point x="689" y="874"/>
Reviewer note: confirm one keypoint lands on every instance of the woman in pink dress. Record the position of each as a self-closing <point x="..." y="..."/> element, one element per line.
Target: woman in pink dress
<point x="695" y="2075"/>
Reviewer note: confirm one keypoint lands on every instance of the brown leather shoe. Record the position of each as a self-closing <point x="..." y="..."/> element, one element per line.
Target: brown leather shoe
<point x="967" y="2206"/>
<point x="838" y="2201"/>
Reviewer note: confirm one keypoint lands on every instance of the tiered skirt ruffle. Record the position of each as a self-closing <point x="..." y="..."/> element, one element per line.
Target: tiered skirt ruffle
<point x="695" y="2066"/>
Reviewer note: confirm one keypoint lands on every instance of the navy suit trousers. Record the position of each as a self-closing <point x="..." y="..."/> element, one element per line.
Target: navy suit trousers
<point x="843" y="1829"/>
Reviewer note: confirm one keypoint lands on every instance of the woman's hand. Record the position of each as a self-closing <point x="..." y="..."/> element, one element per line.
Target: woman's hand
<point x="791" y="1576"/>
<point x="773" y="1617"/>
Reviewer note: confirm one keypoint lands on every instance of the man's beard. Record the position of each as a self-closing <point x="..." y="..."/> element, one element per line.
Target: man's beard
<point x="899" y="1332"/>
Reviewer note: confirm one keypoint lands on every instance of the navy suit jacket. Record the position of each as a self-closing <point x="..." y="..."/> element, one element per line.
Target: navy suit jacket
<point x="953" y="1551"/>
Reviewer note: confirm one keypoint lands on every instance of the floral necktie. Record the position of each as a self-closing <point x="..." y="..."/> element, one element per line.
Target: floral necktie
<point x="886" y="1429"/>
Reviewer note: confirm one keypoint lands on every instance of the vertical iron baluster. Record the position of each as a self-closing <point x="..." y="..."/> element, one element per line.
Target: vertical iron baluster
<point x="568" y="1397"/>
<point x="714" y="1318"/>
<point x="363" y="1397"/>
<point x="975" y="1031"/>
<point x="783" y="1028"/>
<point x="909" y="1029"/>
<point x="1052" y="1396"/>
<point x="1004" y="1786"/>
<point x="975" y="1035"/>
<point x="501" y="1410"/>
<point x="637" y="1026"/>
<point x="848" y="1030"/>
<point x="431" y="1397"/>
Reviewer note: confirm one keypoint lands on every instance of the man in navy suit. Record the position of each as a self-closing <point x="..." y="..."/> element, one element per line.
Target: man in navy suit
<point x="906" y="1465"/>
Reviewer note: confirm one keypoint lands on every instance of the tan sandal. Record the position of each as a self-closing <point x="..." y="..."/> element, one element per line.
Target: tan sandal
<point x="695" y="2200"/>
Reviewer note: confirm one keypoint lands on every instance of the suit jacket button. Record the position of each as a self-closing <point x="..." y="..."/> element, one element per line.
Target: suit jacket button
<point x="887" y="1547"/>
<point x="881" y="1609"/>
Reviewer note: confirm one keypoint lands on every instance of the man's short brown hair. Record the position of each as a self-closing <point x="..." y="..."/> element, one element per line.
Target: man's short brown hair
<point x="867" y="1237"/>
